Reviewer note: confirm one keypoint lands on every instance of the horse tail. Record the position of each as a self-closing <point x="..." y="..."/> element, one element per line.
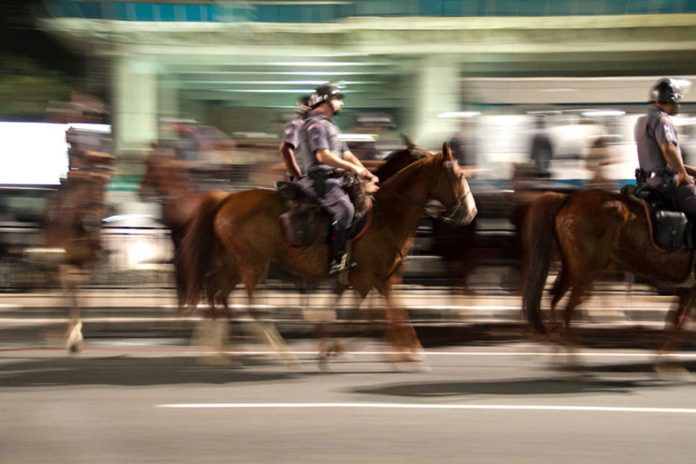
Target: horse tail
<point x="538" y="241"/>
<point x="197" y="251"/>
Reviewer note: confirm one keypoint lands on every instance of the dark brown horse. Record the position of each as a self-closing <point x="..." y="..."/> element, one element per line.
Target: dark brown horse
<point x="168" y="180"/>
<point x="245" y="230"/>
<point x="593" y="230"/>
<point x="72" y="228"/>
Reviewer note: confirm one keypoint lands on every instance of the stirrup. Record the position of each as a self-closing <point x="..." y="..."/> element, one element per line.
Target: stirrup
<point x="338" y="265"/>
<point x="341" y="264"/>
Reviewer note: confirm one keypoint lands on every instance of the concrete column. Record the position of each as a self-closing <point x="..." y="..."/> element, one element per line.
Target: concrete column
<point x="134" y="106"/>
<point x="434" y="89"/>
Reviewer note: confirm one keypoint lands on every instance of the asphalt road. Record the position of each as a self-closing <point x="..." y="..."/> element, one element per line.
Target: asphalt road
<point x="149" y="401"/>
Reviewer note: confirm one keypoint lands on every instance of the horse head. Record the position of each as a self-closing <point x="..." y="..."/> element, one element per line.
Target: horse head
<point x="451" y="188"/>
<point x="165" y="178"/>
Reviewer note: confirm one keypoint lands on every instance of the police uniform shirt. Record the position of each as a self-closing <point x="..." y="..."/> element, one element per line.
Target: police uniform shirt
<point x="318" y="133"/>
<point x="652" y="131"/>
<point x="291" y="136"/>
<point x="291" y="132"/>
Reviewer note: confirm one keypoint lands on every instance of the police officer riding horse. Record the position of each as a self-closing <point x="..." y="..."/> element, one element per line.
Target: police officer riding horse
<point x="326" y="160"/>
<point x="662" y="178"/>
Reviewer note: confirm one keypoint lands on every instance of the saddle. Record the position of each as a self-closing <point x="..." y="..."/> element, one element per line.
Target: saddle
<point x="670" y="228"/>
<point x="305" y="223"/>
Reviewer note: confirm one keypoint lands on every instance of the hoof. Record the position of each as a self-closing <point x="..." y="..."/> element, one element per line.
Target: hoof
<point x="671" y="368"/>
<point x="75" y="341"/>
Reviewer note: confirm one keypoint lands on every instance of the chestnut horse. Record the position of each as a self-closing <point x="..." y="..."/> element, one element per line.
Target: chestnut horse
<point x="243" y="234"/>
<point x="593" y="230"/>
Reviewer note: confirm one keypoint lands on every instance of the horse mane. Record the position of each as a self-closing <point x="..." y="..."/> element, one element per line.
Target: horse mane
<point x="407" y="173"/>
<point x="399" y="159"/>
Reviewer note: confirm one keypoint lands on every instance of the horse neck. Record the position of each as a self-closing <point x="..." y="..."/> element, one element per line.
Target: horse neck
<point x="402" y="199"/>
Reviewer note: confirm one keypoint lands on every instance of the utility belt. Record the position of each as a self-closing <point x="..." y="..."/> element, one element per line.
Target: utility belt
<point x="659" y="181"/>
<point x="665" y="174"/>
<point x="320" y="176"/>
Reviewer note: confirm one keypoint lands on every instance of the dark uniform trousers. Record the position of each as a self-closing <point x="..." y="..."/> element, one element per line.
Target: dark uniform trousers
<point x="337" y="203"/>
<point x="686" y="200"/>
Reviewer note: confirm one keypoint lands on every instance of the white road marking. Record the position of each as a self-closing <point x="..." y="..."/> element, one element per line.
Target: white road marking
<point x="478" y="407"/>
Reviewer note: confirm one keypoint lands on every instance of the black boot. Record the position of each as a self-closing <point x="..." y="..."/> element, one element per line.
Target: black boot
<point x="339" y="257"/>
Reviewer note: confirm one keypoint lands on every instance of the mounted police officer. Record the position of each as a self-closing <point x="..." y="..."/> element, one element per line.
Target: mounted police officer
<point x="659" y="156"/>
<point x="327" y="159"/>
<point x="291" y="139"/>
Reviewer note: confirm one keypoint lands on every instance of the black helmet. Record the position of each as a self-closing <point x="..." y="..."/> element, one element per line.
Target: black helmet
<point x="666" y="91"/>
<point x="325" y="93"/>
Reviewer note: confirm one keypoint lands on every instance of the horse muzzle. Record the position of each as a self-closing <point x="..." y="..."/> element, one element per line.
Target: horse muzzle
<point x="463" y="212"/>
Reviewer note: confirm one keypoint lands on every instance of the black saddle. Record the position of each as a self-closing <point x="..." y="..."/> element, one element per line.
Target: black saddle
<point x="306" y="223"/>
<point x="670" y="227"/>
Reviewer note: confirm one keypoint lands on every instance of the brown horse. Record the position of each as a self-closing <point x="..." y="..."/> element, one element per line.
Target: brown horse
<point x="169" y="180"/>
<point x="245" y="231"/>
<point x="593" y="230"/>
<point x="72" y="228"/>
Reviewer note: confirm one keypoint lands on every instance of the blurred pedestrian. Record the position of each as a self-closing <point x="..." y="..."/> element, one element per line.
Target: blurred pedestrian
<point x="541" y="149"/>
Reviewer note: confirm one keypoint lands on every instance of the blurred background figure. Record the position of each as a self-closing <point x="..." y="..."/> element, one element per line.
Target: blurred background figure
<point x="463" y="143"/>
<point x="82" y="108"/>
<point x="205" y="151"/>
<point x="598" y="161"/>
<point x="541" y="149"/>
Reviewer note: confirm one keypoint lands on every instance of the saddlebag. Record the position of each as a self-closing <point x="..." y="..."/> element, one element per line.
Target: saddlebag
<point x="671" y="230"/>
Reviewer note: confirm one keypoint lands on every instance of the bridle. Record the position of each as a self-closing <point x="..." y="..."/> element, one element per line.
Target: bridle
<point x="461" y="200"/>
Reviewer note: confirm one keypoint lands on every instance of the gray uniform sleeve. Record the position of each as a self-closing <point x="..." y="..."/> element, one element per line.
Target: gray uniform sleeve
<point x="344" y="148"/>
<point x="317" y="137"/>
<point x="664" y="131"/>
<point x="291" y="134"/>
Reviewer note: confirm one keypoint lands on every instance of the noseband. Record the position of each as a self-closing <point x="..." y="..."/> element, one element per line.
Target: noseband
<point x="461" y="200"/>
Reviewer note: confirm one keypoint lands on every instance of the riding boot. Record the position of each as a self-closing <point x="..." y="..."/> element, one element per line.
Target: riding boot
<point x="339" y="257"/>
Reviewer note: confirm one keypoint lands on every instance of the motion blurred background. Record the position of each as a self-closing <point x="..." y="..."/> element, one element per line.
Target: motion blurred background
<point x="539" y="91"/>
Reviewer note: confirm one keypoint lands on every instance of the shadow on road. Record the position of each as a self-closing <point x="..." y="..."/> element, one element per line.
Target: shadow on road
<point x="512" y="387"/>
<point x="129" y="372"/>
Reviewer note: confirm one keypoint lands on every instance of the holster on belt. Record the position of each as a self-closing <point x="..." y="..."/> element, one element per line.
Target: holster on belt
<point x="320" y="176"/>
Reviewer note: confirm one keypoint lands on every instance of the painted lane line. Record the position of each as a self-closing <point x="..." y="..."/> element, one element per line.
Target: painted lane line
<point x="475" y="407"/>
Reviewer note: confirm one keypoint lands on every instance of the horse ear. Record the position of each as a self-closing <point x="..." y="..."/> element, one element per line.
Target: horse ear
<point x="447" y="152"/>
<point x="407" y="140"/>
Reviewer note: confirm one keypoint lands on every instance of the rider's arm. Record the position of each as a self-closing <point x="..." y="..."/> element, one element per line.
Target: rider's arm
<point x="287" y="153"/>
<point x="672" y="155"/>
<point x="350" y="157"/>
<point x="326" y="156"/>
<point x="691" y="170"/>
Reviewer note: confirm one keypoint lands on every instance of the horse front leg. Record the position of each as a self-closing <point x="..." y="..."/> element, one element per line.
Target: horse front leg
<point x="69" y="278"/>
<point x="400" y="332"/>
<point x="333" y="343"/>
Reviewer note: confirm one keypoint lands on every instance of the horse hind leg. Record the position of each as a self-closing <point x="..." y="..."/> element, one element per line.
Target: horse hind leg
<point x="567" y="338"/>
<point x="676" y="318"/>
<point x="560" y="287"/>
<point x="266" y="331"/>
